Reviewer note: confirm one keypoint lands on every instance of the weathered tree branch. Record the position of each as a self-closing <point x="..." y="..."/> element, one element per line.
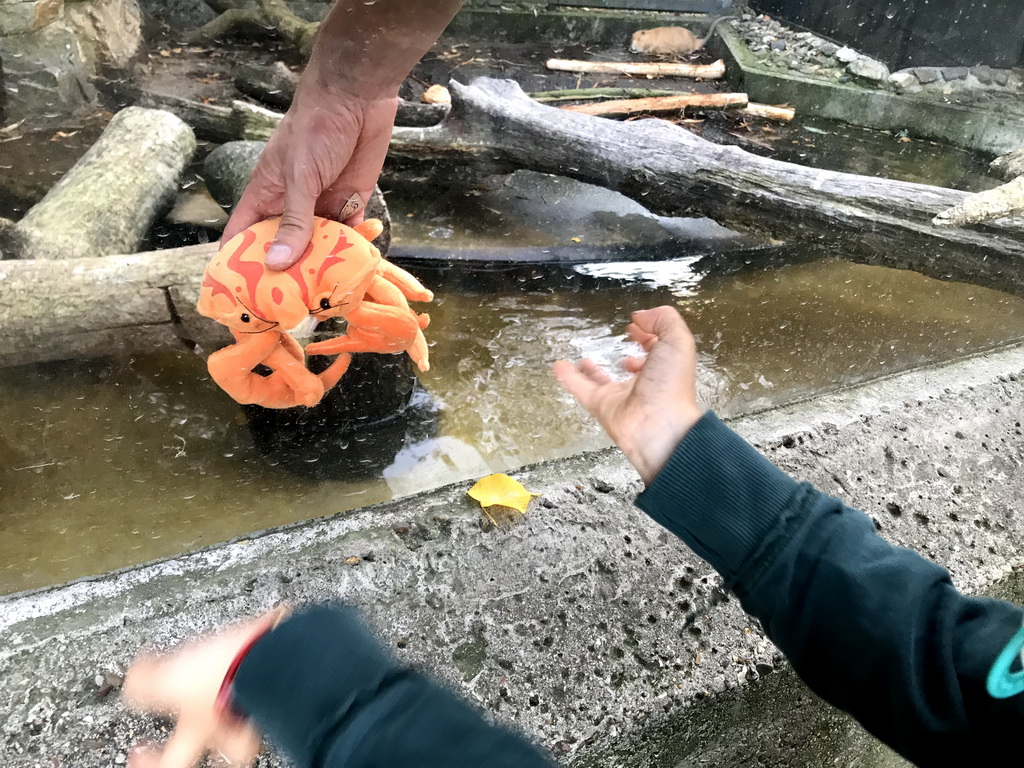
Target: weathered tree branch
<point x="674" y="172"/>
<point x="674" y="103"/>
<point x="269" y="15"/>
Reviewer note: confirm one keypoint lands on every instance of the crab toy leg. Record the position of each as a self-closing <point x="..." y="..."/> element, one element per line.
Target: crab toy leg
<point x="376" y="328"/>
<point x="289" y="384"/>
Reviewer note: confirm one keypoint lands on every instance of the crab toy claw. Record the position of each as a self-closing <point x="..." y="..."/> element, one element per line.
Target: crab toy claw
<point x="341" y="274"/>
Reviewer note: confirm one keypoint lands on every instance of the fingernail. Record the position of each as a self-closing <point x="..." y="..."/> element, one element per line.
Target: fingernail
<point x="278" y="255"/>
<point x="351" y="207"/>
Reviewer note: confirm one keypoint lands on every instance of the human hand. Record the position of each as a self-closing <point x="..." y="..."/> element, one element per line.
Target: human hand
<point x="648" y="414"/>
<point x="184" y="683"/>
<point x="323" y="159"/>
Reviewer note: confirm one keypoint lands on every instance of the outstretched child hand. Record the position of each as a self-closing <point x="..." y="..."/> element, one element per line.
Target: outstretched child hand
<point x="648" y="414"/>
<point x="184" y="684"/>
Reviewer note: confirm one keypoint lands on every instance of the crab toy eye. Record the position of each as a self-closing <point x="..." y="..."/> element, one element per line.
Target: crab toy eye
<point x="325" y="304"/>
<point x="245" y="317"/>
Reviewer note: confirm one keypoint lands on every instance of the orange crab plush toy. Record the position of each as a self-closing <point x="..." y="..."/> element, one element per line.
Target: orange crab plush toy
<point x="341" y="274"/>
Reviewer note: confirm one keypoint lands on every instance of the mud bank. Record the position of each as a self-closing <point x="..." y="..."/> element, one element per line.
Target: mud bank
<point x="583" y="624"/>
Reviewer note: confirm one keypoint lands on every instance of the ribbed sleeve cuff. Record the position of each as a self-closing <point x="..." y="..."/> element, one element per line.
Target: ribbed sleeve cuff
<point x="719" y="495"/>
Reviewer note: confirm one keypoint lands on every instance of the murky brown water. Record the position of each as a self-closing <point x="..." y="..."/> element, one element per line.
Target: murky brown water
<point x="110" y="463"/>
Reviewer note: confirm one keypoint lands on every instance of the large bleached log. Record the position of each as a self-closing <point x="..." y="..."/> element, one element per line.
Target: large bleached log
<point x="57" y="310"/>
<point x="106" y="203"/>
<point x="674" y="172"/>
<point x="61" y="310"/>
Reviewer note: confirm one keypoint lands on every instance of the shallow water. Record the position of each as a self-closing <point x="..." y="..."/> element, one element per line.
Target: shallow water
<point x="105" y="464"/>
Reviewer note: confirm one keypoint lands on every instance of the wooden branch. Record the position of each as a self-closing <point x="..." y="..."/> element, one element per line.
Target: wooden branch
<point x="768" y="112"/>
<point x="582" y="94"/>
<point x="110" y="197"/>
<point x="674" y="103"/>
<point x="673" y="172"/>
<point x="714" y="71"/>
<point x="1004" y="200"/>
<point x="270" y="15"/>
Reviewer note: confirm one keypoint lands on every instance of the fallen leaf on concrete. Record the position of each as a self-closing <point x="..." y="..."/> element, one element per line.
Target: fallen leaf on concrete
<point x="501" y="490"/>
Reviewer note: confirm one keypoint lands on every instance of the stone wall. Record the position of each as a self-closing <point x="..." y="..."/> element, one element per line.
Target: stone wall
<point x="49" y="50"/>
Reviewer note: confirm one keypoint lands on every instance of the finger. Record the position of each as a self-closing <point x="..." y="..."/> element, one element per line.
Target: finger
<point x="664" y="322"/>
<point x="633" y="364"/>
<point x="186" y="746"/>
<point x="640" y="336"/>
<point x="577" y="384"/>
<point x="296" y="228"/>
<point x="143" y="688"/>
<point x="238" y="744"/>
<point x="144" y="757"/>
<point x="592" y="370"/>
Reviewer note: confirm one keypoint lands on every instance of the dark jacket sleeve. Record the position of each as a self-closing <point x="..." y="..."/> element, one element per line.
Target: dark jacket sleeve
<point x="874" y="629"/>
<point x="324" y="691"/>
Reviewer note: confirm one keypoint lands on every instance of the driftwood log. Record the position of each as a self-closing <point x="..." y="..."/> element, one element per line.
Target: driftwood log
<point x="114" y="304"/>
<point x="107" y="305"/>
<point x="1004" y="200"/>
<point x="107" y="201"/>
<point x="268" y="16"/>
<point x="674" y="172"/>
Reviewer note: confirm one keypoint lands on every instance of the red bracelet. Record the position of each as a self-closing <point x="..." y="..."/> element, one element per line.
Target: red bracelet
<point x="222" y="704"/>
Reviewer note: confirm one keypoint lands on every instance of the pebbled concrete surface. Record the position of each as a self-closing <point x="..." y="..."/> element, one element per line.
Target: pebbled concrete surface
<point x="583" y="623"/>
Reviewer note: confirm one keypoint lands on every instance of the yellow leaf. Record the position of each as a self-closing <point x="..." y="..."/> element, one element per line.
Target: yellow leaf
<point x="501" y="490"/>
<point x="577" y="239"/>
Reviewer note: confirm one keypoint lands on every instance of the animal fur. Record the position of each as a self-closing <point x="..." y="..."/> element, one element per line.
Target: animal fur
<point x="671" y="41"/>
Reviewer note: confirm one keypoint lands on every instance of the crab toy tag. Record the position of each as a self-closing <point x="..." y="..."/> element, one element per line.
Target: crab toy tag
<point x="341" y="274"/>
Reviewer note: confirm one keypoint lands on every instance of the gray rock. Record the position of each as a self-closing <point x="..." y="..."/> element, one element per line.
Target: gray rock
<point x="1001" y="76"/>
<point x="983" y="73"/>
<point x="829" y="49"/>
<point x="954" y="73"/>
<point x="847" y="54"/>
<point x="18" y="18"/>
<point x="869" y="69"/>
<point x="109" y="31"/>
<point x="45" y="72"/>
<point x="927" y="75"/>
<point x="227" y="170"/>
<point x="777" y="45"/>
<point x="903" y="81"/>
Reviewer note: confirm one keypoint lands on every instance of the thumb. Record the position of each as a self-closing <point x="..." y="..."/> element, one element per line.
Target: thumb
<point x="295" y="230"/>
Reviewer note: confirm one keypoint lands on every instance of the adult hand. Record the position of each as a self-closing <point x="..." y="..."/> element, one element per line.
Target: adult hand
<point x="329" y="147"/>
<point x="184" y="684"/>
<point x="648" y="414"/>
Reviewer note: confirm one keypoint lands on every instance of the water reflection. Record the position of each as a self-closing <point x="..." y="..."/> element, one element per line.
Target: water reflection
<point x="108" y="463"/>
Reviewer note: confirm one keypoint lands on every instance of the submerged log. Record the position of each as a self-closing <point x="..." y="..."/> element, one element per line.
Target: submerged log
<point x="714" y="71"/>
<point x="107" y="201"/>
<point x="674" y="172"/>
<point x="675" y="103"/>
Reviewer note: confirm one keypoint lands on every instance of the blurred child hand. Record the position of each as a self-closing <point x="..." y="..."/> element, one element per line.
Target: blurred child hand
<point x="648" y="414"/>
<point x="183" y="683"/>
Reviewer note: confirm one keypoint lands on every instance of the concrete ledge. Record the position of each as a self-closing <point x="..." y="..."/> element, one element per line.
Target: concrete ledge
<point x="584" y="624"/>
<point x="986" y="130"/>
